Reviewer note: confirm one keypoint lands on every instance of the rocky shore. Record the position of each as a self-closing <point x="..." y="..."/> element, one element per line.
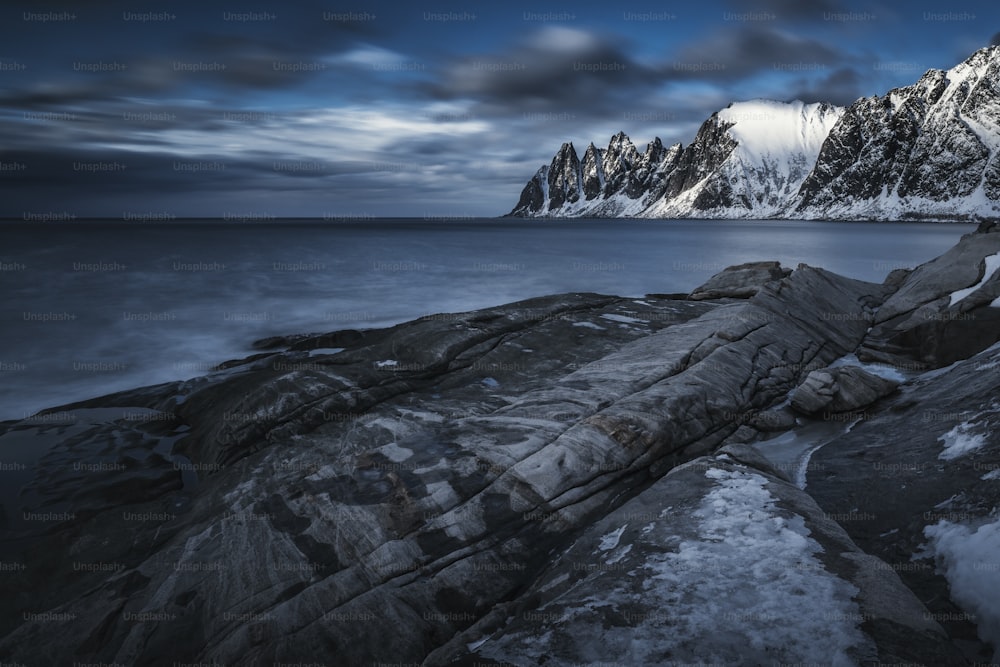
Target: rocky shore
<point x="785" y="466"/>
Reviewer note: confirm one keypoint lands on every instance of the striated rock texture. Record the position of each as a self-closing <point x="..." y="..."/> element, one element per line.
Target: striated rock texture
<point x="560" y="477"/>
<point x="839" y="390"/>
<point x="740" y="282"/>
<point x="924" y="466"/>
<point x="415" y="479"/>
<point x="944" y="310"/>
<point x="926" y="151"/>
<point x="657" y="577"/>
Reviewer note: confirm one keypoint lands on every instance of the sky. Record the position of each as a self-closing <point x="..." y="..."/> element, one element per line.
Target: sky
<point x="165" y="109"/>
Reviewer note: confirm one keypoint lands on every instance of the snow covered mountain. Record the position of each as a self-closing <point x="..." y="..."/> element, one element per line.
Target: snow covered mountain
<point x="927" y="151"/>
<point x="747" y="161"/>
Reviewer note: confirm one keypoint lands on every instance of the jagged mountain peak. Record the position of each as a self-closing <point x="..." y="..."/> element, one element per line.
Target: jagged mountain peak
<point x="930" y="150"/>
<point x="566" y="149"/>
<point x="621" y="149"/>
<point x="592" y="170"/>
<point x="982" y="58"/>
<point x="926" y="151"/>
<point x="619" y="139"/>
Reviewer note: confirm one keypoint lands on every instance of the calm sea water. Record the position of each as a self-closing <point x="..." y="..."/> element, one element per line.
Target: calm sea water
<point x="89" y="308"/>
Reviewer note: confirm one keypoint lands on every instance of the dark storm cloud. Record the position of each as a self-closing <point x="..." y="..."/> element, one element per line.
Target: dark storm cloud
<point x="26" y="123"/>
<point x="197" y="44"/>
<point x="842" y="87"/>
<point x="740" y="52"/>
<point x="105" y="172"/>
<point x="251" y="62"/>
<point x="579" y="75"/>
<point x="137" y="78"/>
<point x="77" y="179"/>
<point x="553" y="68"/>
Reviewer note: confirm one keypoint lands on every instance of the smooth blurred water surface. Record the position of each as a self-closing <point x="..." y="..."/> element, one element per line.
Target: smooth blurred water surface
<point x="88" y="308"/>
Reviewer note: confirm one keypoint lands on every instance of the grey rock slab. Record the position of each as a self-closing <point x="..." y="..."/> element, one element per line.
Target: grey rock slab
<point x="350" y="495"/>
<point x="839" y="389"/>
<point x="718" y="562"/>
<point x="925" y="456"/>
<point x="741" y="281"/>
<point x="920" y="327"/>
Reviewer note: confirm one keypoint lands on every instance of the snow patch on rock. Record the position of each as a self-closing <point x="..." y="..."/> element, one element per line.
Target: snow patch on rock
<point x="992" y="264"/>
<point x="781" y="586"/>
<point x="589" y="325"/>
<point x="960" y="441"/>
<point x="623" y="319"/>
<point x="968" y="557"/>
<point x="610" y="541"/>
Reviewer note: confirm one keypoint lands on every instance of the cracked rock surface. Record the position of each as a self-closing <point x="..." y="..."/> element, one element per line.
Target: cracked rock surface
<point x="422" y="488"/>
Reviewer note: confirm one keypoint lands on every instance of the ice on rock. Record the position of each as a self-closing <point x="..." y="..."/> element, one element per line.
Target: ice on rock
<point x="960" y="441"/>
<point x="968" y="557"/>
<point x="622" y="319"/>
<point x="782" y="584"/>
<point x="610" y="541"/>
<point x="992" y="264"/>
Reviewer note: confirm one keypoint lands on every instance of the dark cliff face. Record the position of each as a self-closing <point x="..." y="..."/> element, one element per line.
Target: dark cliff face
<point x="648" y="178"/>
<point x="593" y="172"/>
<point x="620" y="159"/>
<point x="702" y="158"/>
<point x="914" y="142"/>
<point x="873" y="146"/>
<point x="564" y="177"/>
<point x="533" y="195"/>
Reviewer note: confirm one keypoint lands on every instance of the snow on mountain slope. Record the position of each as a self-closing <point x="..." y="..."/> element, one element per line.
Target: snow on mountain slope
<point x="930" y="150"/>
<point x="926" y="151"/>
<point x="776" y="144"/>
<point x="747" y="160"/>
<point x="768" y="130"/>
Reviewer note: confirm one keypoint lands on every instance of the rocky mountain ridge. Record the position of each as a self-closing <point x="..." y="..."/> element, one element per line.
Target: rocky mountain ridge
<point x="926" y="151"/>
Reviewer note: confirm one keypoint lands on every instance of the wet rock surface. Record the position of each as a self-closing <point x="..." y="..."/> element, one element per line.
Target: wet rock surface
<point x="448" y="477"/>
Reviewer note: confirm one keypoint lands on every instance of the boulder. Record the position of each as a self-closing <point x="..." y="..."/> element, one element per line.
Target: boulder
<point x="934" y="318"/>
<point x="839" y="389"/>
<point x="740" y="282"/>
